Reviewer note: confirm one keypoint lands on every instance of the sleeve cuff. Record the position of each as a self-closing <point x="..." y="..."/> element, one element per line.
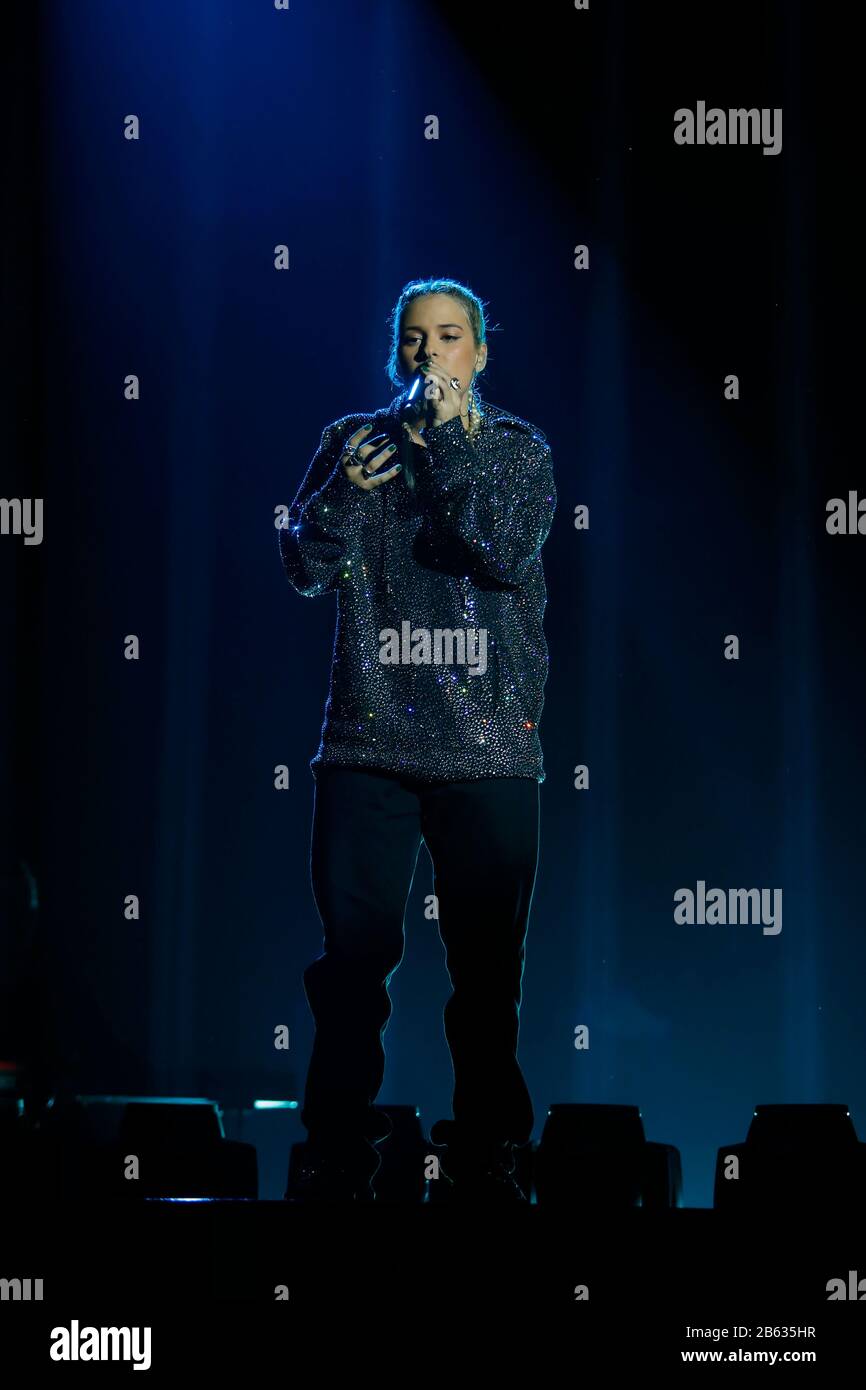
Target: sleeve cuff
<point x="338" y="493"/>
<point x="452" y="462"/>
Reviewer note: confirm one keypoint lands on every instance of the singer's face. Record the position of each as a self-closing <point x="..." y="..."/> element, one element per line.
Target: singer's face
<point x="436" y="326"/>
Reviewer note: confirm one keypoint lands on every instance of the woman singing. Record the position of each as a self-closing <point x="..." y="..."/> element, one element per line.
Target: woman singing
<point x="428" y="523"/>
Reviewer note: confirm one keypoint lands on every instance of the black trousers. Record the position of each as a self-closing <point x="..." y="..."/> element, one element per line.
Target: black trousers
<point x="483" y="840"/>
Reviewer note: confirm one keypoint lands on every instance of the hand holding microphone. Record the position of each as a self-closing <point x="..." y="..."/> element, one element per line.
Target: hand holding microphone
<point x="433" y="393"/>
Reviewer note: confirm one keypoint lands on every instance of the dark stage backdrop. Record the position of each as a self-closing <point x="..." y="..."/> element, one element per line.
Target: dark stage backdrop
<point x="154" y="257"/>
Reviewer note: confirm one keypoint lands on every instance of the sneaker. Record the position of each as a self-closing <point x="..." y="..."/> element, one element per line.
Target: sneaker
<point x="492" y="1181"/>
<point x="477" y="1171"/>
<point x="327" y="1180"/>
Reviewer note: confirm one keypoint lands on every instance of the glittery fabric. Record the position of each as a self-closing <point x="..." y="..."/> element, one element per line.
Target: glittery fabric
<point x="459" y="552"/>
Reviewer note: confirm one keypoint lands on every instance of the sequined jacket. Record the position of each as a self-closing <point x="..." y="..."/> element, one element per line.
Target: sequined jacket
<point x="417" y="572"/>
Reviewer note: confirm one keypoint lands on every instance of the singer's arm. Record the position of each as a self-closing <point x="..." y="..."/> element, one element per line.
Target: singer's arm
<point x="318" y="534"/>
<point x="498" y="503"/>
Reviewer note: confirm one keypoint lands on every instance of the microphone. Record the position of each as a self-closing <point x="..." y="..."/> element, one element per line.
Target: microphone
<point x="416" y="402"/>
<point x="411" y="412"/>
